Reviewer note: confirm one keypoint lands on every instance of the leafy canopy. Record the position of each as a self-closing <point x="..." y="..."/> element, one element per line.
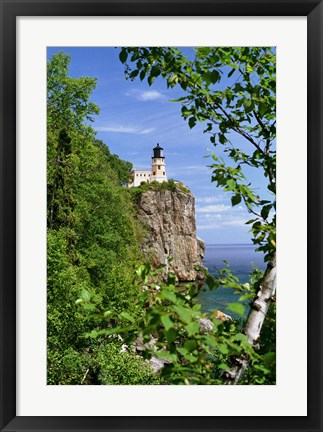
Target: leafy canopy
<point x="91" y="238"/>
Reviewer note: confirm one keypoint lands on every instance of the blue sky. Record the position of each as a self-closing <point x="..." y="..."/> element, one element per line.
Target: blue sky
<point x="134" y="117"/>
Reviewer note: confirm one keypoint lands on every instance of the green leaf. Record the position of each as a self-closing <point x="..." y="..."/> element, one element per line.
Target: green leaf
<point x="166" y="355"/>
<point x="192" y="328"/>
<point x="171" y="335"/>
<point x="123" y="56"/>
<point x="248" y="105"/>
<point x="211" y="282"/>
<point x="204" y="51"/>
<point x="141" y="271"/>
<point x="191" y="122"/>
<point x="190" y="345"/>
<point x="167" y="322"/>
<point x="235" y="199"/>
<point x="169" y="295"/>
<point x="134" y="73"/>
<point x="269" y="359"/>
<point x="107" y="313"/>
<point x="210" y="77"/>
<point x="222" y="138"/>
<point x="86" y="295"/>
<point x="89" y="306"/>
<point x="224" y="367"/>
<point x="155" y="71"/>
<point x="237" y="308"/>
<point x="211" y="341"/>
<point x="171" y="277"/>
<point x="231" y="184"/>
<point x="93" y="335"/>
<point x="182" y="351"/>
<point x="142" y="75"/>
<point x="179" y="99"/>
<point x="191" y="358"/>
<point x="215" y="76"/>
<point x="240" y="337"/>
<point x="246" y="297"/>
<point x="127" y="316"/>
<point x="265" y="211"/>
<point x="172" y="80"/>
<point x="151" y="79"/>
<point x="183" y="313"/>
<point x="223" y="349"/>
<point x="262" y="108"/>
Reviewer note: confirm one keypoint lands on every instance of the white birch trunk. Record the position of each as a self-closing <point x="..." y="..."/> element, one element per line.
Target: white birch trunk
<point x="256" y="318"/>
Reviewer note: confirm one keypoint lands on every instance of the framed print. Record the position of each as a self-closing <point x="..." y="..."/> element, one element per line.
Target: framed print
<point x="115" y="343"/>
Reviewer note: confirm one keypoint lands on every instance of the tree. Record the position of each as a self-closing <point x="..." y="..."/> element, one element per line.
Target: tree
<point x="67" y="108"/>
<point x="233" y="92"/>
<point x="91" y="239"/>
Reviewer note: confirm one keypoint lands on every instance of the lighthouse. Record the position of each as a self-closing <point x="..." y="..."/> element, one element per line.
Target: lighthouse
<point x="158" y="169"/>
<point x="157" y="172"/>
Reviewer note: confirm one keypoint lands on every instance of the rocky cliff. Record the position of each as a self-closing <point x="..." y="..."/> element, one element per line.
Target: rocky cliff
<point x="169" y="216"/>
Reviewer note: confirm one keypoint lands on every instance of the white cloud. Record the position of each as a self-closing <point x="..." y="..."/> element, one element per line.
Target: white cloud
<point x="150" y="95"/>
<point x="146" y="131"/>
<point x="213" y="208"/>
<point x="220" y="216"/>
<point x="146" y="95"/>
<point x="125" y="129"/>
<point x="209" y="200"/>
<point x="212" y="226"/>
<point x="235" y="221"/>
<point x="218" y="222"/>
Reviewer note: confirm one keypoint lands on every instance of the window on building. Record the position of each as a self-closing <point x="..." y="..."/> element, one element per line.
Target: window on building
<point x="144" y="175"/>
<point x="137" y="175"/>
<point x="158" y="166"/>
<point x="154" y="173"/>
<point x="163" y="172"/>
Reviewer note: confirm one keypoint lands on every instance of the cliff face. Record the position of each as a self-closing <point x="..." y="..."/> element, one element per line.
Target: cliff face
<point x="169" y="216"/>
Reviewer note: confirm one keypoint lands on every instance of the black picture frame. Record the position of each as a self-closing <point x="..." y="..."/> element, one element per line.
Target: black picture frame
<point x="10" y="9"/>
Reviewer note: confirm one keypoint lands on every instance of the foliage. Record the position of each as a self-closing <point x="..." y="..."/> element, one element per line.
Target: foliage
<point x="243" y="104"/>
<point x="91" y="240"/>
<point x="119" y="366"/>
<point x="194" y="347"/>
<point x="122" y="169"/>
<point x="170" y="185"/>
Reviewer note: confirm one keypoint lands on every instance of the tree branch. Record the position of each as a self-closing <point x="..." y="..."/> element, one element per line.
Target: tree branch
<point x="263" y="127"/>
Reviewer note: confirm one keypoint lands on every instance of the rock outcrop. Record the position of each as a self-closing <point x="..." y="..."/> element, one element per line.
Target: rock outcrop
<point x="169" y="216"/>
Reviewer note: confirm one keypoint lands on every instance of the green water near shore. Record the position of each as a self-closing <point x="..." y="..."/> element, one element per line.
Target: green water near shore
<point x="241" y="259"/>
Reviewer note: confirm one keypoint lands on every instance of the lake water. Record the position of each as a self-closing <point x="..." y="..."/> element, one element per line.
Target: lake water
<point x="241" y="258"/>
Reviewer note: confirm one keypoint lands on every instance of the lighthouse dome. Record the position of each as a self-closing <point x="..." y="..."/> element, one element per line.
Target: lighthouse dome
<point x="158" y="151"/>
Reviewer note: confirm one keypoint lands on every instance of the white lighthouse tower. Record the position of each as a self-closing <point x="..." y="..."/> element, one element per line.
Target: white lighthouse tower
<point x="158" y="170"/>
